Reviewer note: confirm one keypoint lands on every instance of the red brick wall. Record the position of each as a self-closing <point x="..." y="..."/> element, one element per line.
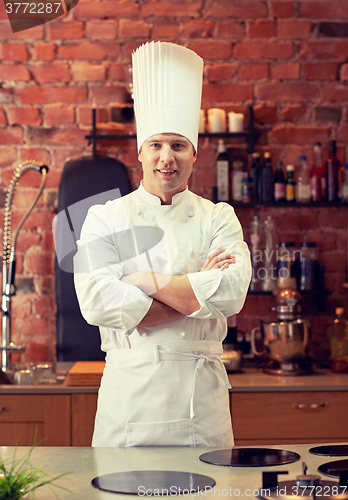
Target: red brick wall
<point x="284" y="57"/>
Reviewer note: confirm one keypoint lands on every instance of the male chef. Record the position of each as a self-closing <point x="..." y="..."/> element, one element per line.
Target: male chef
<point x="165" y="269"/>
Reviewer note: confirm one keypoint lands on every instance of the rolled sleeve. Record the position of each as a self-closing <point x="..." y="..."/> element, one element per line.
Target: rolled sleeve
<point x="223" y="293"/>
<point x="204" y="285"/>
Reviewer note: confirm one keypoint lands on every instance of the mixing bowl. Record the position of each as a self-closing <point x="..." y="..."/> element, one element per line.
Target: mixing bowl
<point x="284" y="341"/>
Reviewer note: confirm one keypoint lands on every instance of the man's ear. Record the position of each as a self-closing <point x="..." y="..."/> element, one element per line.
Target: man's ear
<point x="139" y="156"/>
<point x="194" y="155"/>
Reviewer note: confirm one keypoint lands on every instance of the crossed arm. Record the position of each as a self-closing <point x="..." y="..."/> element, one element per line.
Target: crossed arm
<point x="173" y="296"/>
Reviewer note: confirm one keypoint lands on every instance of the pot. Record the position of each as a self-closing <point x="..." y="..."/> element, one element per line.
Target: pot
<point x="232" y="357"/>
<point x="284" y="341"/>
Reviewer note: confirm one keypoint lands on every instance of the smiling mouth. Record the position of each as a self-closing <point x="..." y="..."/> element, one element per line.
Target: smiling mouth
<point x="166" y="172"/>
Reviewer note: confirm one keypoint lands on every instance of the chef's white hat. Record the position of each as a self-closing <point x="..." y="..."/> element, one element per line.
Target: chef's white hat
<point x="167" y="87"/>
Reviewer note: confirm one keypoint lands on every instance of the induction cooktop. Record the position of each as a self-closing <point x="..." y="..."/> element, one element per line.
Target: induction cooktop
<point x="153" y="482"/>
<point x="331" y="468"/>
<point x="337" y="450"/>
<point x="250" y="457"/>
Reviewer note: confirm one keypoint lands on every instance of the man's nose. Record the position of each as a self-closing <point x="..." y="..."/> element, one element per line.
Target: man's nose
<point x="166" y="154"/>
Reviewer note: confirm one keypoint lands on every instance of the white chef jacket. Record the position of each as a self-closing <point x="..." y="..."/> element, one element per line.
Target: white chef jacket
<point x="163" y="384"/>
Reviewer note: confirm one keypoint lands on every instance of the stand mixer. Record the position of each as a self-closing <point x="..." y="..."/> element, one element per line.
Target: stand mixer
<point x="285" y="340"/>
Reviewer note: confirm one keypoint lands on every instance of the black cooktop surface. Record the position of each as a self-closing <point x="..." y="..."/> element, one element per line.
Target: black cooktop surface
<point x="336" y="450"/>
<point x="331" y="466"/>
<point x="250" y="457"/>
<point x="153" y="482"/>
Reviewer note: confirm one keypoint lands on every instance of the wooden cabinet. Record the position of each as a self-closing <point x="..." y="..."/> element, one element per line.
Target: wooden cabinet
<point x="259" y="417"/>
<point x="278" y="417"/>
<point x="83" y="408"/>
<point x="25" y="418"/>
<point x="289" y="417"/>
<point x="56" y="420"/>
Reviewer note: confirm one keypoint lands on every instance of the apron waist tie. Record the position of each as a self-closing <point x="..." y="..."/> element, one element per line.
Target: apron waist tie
<point x="200" y="362"/>
<point x="201" y="359"/>
<point x="156" y="353"/>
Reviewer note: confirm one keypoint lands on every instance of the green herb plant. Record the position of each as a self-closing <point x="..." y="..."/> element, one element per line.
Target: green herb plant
<point x="19" y="478"/>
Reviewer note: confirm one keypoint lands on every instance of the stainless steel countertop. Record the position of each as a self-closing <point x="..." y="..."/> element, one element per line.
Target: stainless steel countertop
<point x="255" y="380"/>
<point x="250" y="380"/>
<point x="87" y="463"/>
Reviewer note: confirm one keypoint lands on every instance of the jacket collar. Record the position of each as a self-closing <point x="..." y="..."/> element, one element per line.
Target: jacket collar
<point x="151" y="199"/>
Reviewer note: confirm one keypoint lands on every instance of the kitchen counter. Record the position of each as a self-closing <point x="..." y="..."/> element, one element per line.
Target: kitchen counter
<point x="255" y="380"/>
<point x="264" y="409"/>
<point x="59" y="388"/>
<point x="48" y="389"/>
<point x="250" y="380"/>
<point x="87" y="463"/>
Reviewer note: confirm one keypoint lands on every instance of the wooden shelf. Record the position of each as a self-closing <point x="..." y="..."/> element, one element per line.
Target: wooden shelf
<point x="313" y="204"/>
<point x="250" y="135"/>
<point x="304" y="293"/>
<point x="222" y="135"/>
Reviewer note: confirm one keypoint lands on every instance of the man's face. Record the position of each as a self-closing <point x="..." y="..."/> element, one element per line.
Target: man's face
<point x="167" y="161"/>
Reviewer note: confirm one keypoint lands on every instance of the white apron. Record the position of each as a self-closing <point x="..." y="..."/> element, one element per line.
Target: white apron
<point x="172" y="394"/>
<point x="163" y="385"/>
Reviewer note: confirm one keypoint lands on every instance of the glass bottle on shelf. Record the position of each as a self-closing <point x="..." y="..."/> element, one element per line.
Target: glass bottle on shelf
<point x="344" y="186"/>
<point x="267" y="179"/>
<point x="237" y="187"/>
<point x="308" y="265"/>
<point x="318" y="175"/>
<point x="256" y="257"/>
<point x="339" y="342"/>
<point x="246" y="188"/>
<point x="255" y="170"/>
<point x="341" y="175"/>
<point x="290" y="183"/>
<point x="286" y="265"/>
<point x="222" y="173"/>
<point x="332" y="168"/>
<point x="269" y="281"/>
<point x="279" y="183"/>
<point x="303" y="187"/>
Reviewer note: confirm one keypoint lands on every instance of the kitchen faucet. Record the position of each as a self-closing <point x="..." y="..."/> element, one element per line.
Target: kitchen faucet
<point x="9" y="260"/>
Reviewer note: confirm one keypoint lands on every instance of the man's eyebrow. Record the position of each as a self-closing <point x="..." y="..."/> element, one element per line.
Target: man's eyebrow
<point x="180" y="140"/>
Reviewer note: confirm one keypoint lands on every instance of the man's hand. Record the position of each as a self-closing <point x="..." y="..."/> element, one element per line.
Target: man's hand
<point x="218" y="260"/>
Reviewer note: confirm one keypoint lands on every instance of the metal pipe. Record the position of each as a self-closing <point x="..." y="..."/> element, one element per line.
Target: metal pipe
<point x="9" y="258"/>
